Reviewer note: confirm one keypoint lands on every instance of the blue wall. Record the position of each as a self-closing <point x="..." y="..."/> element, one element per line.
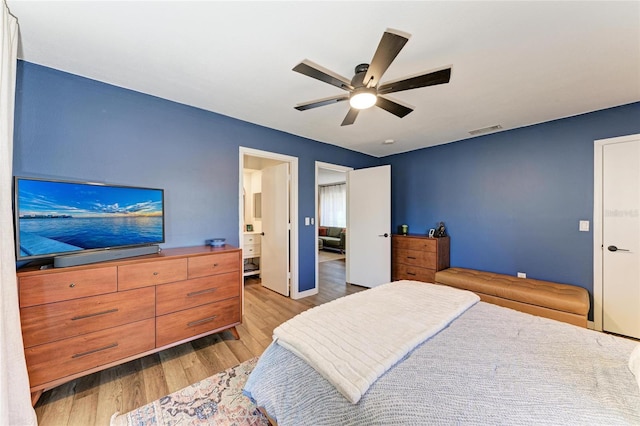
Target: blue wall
<point x="511" y="201"/>
<point x="69" y="127"/>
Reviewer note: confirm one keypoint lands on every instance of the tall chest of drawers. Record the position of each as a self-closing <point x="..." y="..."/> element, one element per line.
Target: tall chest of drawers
<point x="417" y="257"/>
<point x="79" y="320"/>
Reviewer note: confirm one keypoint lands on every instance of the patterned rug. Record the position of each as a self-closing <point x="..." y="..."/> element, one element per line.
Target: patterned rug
<point x="217" y="400"/>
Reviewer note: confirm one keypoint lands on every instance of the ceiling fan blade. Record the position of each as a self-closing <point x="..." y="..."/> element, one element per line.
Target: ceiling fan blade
<point x="393" y="107"/>
<point x="351" y="117"/>
<point x="321" y="102"/>
<point x="429" y="79"/>
<point x="390" y="45"/>
<point x="319" y="72"/>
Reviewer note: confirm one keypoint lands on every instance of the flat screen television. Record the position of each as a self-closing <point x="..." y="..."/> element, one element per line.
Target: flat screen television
<point x="55" y="217"/>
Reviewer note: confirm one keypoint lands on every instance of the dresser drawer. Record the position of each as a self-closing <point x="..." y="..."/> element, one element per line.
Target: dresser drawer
<point x="151" y="273"/>
<point x="251" y="239"/>
<point x="57" y="360"/>
<point x="424" y="259"/>
<point x="55" y="321"/>
<point x="408" y="272"/>
<point x="201" y="266"/>
<point x="59" y="286"/>
<point x="198" y="291"/>
<point x="412" y="243"/>
<point x="251" y="250"/>
<point x="181" y="325"/>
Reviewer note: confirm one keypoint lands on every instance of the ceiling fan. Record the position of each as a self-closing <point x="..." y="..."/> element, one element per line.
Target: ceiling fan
<point x="364" y="88"/>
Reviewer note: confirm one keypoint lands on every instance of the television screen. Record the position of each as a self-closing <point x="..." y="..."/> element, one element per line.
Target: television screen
<point x="59" y="217"/>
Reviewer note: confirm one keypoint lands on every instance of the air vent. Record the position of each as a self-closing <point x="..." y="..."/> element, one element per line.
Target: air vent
<point x="485" y="130"/>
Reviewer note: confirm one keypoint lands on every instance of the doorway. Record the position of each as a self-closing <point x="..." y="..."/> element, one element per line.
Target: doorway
<point x="330" y="178"/>
<point x="253" y="218"/>
<point x="616" y="227"/>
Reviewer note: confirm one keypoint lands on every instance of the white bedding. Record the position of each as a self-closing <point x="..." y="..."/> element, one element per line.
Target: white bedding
<point x="634" y="364"/>
<point x="354" y="340"/>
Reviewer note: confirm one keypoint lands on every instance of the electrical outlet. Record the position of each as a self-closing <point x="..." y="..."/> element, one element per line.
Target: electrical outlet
<point x="583" y="226"/>
<point x="522" y="275"/>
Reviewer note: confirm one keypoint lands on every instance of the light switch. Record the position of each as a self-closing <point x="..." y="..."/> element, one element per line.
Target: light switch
<point x="313" y="221"/>
<point x="307" y="221"/>
<point x="584" y="226"/>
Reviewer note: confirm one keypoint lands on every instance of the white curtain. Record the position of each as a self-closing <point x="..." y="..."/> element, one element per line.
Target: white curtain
<point x="333" y="205"/>
<point x="15" y="399"/>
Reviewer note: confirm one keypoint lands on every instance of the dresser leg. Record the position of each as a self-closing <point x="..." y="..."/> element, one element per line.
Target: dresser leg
<point x="35" y="396"/>
<point x="234" y="332"/>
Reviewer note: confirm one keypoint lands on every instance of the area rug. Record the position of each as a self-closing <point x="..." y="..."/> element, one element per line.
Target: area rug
<point x="217" y="400"/>
<point x="327" y="256"/>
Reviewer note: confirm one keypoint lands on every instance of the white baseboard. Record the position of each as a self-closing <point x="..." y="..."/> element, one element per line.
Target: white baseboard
<point x="591" y="325"/>
<point x="306" y="293"/>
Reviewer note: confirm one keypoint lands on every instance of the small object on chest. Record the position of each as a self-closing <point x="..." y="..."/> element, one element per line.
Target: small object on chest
<point x="440" y="231"/>
<point x="216" y="242"/>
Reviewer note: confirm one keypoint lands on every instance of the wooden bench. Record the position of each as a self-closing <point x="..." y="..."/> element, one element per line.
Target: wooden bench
<point x="562" y="302"/>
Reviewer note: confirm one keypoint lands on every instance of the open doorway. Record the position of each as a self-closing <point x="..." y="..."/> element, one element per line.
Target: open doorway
<point x="331" y="228"/>
<point x="268" y="219"/>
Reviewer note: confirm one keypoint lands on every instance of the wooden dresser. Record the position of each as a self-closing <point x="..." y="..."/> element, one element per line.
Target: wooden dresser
<point x="418" y="257"/>
<point x="79" y="320"/>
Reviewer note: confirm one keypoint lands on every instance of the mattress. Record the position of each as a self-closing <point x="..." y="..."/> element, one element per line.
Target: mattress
<point x="492" y="365"/>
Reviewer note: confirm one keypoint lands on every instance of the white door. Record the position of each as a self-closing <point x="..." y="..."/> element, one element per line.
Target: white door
<point x="368" y="226"/>
<point x="274" y="261"/>
<point x="621" y="238"/>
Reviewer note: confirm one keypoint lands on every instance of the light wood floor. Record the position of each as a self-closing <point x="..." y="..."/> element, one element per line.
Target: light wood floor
<point x="91" y="400"/>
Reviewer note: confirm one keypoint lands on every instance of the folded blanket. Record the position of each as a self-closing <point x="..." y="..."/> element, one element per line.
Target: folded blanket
<point x="634" y="363"/>
<point x="353" y="340"/>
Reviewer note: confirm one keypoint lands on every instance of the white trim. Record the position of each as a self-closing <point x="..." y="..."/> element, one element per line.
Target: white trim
<point x="597" y="224"/>
<point x="337" y="168"/>
<point x="293" y="212"/>
<point x="307" y="293"/>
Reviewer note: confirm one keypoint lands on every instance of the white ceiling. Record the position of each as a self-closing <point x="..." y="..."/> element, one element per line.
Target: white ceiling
<point x="514" y="63"/>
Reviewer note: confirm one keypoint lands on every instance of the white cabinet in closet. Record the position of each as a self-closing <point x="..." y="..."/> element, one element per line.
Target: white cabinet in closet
<point x="251" y="254"/>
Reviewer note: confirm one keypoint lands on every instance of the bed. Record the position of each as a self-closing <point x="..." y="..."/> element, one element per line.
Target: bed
<point x="487" y="365"/>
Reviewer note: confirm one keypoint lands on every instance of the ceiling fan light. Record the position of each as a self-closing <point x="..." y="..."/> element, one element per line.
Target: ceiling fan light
<point x="363" y="98"/>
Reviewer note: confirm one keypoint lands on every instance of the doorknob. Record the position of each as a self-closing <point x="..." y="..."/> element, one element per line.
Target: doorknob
<point x="262" y="233"/>
<point x="384" y="235"/>
<point x="614" y="248"/>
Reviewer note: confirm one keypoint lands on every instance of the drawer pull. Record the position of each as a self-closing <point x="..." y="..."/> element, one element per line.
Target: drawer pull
<point x="411" y="257"/>
<point x="215" y="264"/>
<point x="79" y="317"/>
<point x="198" y="293"/>
<point x="104" y="348"/>
<point x="411" y="273"/>
<point x="155" y="273"/>
<point x="202" y="321"/>
<point x="72" y="285"/>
